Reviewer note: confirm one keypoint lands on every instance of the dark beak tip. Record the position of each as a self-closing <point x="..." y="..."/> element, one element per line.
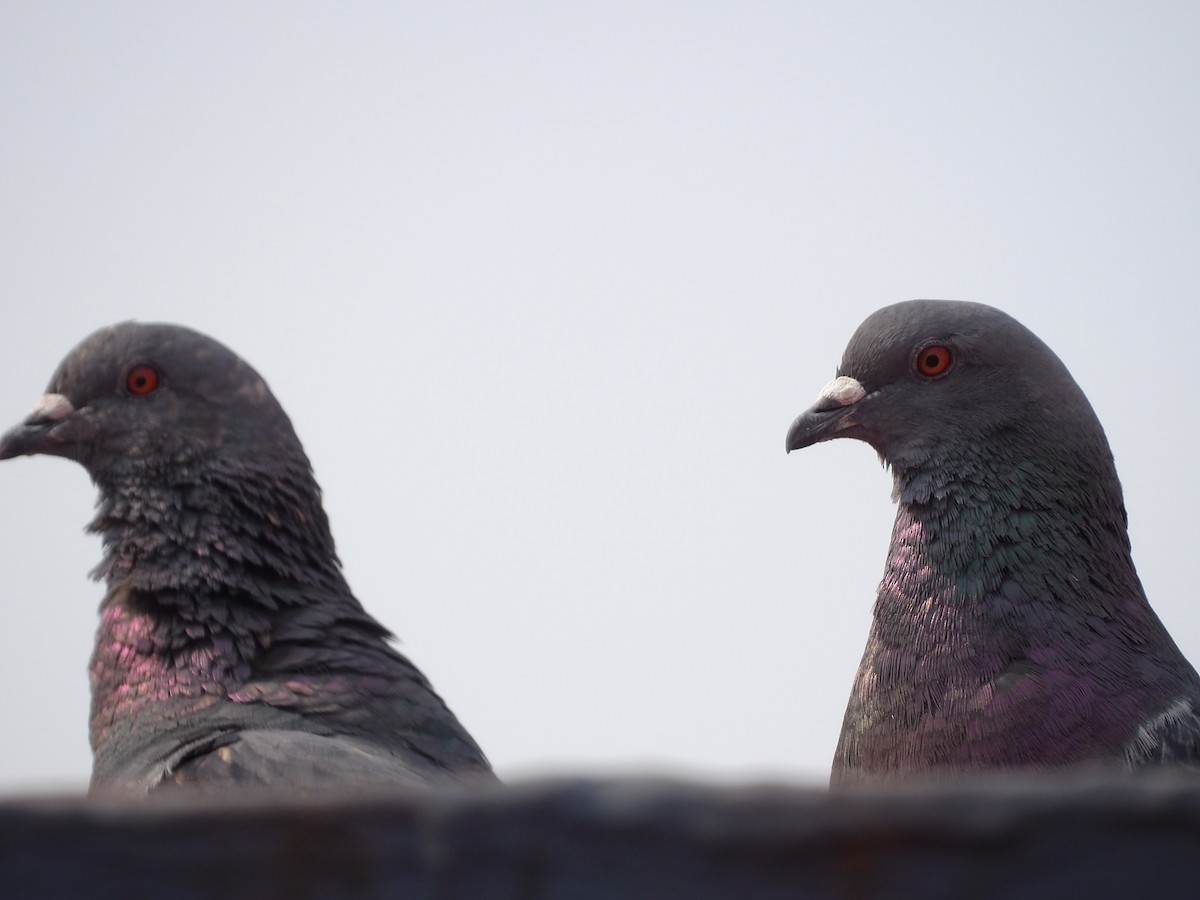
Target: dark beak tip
<point x="797" y="434"/>
<point x="23" y="440"/>
<point x="9" y="441"/>
<point x="818" y="424"/>
<point x="10" y="446"/>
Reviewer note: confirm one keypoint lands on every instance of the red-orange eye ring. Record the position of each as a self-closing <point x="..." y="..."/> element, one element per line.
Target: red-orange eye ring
<point x="933" y="360"/>
<point x="141" y="380"/>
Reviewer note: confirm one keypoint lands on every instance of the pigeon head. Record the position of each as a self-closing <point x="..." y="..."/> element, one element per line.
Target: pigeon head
<point x="151" y="400"/>
<point x="925" y="380"/>
<point x="194" y="458"/>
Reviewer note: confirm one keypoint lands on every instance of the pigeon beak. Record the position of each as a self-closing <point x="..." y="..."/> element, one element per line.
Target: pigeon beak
<point x="37" y="433"/>
<point x="831" y="415"/>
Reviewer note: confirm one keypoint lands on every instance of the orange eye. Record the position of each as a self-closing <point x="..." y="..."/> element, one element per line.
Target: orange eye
<point x="933" y="360"/>
<point x="141" y="380"/>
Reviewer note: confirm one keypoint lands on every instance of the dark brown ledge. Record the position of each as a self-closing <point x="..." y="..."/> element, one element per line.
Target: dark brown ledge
<point x="622" y="839"/>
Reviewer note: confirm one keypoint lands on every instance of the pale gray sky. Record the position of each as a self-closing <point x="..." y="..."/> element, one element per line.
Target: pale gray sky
<point x="542" y="285"/>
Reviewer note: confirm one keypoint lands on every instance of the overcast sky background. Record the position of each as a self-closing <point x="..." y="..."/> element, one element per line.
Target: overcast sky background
<point x="542" y="286"/>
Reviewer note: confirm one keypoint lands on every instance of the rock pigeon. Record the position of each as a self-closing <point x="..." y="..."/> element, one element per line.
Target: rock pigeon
<point x="1010" y="630"/>
<point x="231" y="654"/>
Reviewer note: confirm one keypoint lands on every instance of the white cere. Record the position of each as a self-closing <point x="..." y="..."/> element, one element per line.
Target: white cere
<point x="842" y="391"/>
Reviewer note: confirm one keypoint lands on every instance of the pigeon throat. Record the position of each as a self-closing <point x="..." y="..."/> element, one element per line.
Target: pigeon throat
<point x="975" y="527"/>
<point x="217" y="529"/>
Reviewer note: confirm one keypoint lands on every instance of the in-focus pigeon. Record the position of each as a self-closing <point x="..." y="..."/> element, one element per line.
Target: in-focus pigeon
<point x="231" y="653"/>
<point x="1010" y="629"/>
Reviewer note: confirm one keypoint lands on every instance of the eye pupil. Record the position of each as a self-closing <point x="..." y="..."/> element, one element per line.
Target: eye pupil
<point x="141" y="380"/>
<point x="933" y="361"/>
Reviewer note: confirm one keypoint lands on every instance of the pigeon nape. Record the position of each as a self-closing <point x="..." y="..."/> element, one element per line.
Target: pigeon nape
<point x="1010" y="630"/>
<point x="231" y="654"/>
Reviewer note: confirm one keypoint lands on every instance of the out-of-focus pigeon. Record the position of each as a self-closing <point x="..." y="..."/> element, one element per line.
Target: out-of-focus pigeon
<point x="1010" y="630"/>
<point x="231" y="653"/>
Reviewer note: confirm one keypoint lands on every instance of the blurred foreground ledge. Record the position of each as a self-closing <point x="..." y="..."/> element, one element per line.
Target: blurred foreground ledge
<point x="623" y="839"/>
